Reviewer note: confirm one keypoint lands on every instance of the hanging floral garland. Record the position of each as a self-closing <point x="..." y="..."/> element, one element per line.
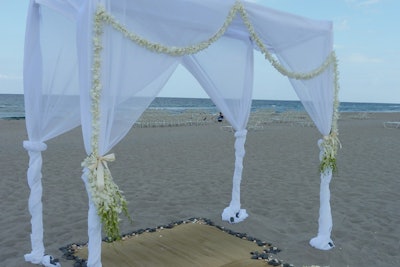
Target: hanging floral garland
<point x="105" y="193"/>
<point x="331" y="142"/>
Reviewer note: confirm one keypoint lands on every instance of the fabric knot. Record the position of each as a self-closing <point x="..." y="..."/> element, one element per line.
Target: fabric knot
<point x="239" y="144"/>
<point x="34" y="146"/>
<point x="241" y="133"/>
<point x="320" y="142"/>
<point x="97" y="165"/>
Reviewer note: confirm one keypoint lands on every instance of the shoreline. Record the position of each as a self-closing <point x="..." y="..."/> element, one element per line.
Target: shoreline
<point x="261" y="117"/>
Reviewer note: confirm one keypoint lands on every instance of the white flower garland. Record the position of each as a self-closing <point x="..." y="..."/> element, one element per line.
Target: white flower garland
<point x="275" y="63"/>
<point x="112" y="200"/>
<point x="331" y="142"/>
<point x="105" y="194"/>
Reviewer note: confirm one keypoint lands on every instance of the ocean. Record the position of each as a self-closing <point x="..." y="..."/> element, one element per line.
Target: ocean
<point x="12" y="106"/>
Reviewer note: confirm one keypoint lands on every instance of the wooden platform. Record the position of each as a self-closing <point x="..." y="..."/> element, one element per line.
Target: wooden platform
<point x="189" y="244"/>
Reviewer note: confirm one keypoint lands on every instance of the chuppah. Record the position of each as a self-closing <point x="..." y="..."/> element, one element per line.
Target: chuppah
<point x="99" y="64"/>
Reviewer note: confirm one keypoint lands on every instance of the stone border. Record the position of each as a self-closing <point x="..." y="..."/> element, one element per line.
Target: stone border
<point x="267" y="254"/>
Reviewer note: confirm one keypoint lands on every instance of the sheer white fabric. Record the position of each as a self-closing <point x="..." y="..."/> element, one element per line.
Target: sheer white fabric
<point x="94" y="227"/>
<point x="131" y="76"/>
<point x="323" y="240"/>
<point x="228" y="80"/>
<point x="302" y="48"/>
<point x="172" y="23"/>
<point x="58" y="76"/>
<point x="51" y="102"/>
<point x="50" y="75"/>
<point x="35" y="202"/>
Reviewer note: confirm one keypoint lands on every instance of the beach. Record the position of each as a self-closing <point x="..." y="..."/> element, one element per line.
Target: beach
<point x="183" y="168"/>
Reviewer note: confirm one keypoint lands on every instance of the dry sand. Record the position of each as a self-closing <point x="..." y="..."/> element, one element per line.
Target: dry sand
<point x="173" y="173"/>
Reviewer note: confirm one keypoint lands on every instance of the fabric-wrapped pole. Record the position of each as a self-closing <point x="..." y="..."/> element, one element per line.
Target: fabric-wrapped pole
<point x="233" y="213"/>
<point x="50" y="97"/>
<point x="34" y="177"/>
<point x="323" y="240"/>
<point x="94" y="227"/>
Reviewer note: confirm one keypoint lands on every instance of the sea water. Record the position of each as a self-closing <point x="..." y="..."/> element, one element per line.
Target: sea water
<point x="12" y="106"/>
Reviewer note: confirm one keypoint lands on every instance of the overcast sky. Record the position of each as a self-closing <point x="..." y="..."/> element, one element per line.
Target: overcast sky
<point x="366" y="40"/>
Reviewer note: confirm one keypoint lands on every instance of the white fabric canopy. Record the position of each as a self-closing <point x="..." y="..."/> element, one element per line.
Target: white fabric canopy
<point x="100" y="63"/>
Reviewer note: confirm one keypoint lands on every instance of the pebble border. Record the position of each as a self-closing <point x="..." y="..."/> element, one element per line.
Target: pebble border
<point x="267" y="254"/>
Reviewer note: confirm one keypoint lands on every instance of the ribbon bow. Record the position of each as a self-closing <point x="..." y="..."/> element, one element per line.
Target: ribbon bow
<point x="98" y="165"/>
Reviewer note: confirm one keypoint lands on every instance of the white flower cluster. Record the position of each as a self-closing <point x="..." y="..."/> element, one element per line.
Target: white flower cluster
<point x="329" y="146"/>
<point x="106" y="195"/>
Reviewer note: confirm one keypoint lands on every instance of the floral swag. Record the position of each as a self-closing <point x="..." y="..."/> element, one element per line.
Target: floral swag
<point x="105" y="194"/>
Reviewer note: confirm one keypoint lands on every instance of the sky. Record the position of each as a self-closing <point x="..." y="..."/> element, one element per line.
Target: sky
<point x="366" y="41"/>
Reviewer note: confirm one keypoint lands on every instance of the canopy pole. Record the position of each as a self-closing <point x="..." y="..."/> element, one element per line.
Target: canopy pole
<point x="233" y="213"/>
<point x="323" y="240"/>
<point x="34" y="177"/>
<point x="94" y="227"/>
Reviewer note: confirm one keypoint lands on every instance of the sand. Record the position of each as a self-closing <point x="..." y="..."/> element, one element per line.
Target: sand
<point x="173" y="173"/>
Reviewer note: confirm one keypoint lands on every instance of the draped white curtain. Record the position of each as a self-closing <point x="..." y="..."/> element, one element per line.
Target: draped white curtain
<point x="229" y="82"/>
<point x="131" y="77"/>
<point x="58" y="79"/>
<point x="51" y="102"/>
<point x="302" y="46"/>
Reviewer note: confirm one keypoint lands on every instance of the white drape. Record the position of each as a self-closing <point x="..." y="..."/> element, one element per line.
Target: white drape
<point x="302" y="48"/>
<point x="131" y="77"/>
<point x="58" y="99"/>
<point x="229" y="82"/>
<point x="51" y="102"/>
<point x="323" y="240"/>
